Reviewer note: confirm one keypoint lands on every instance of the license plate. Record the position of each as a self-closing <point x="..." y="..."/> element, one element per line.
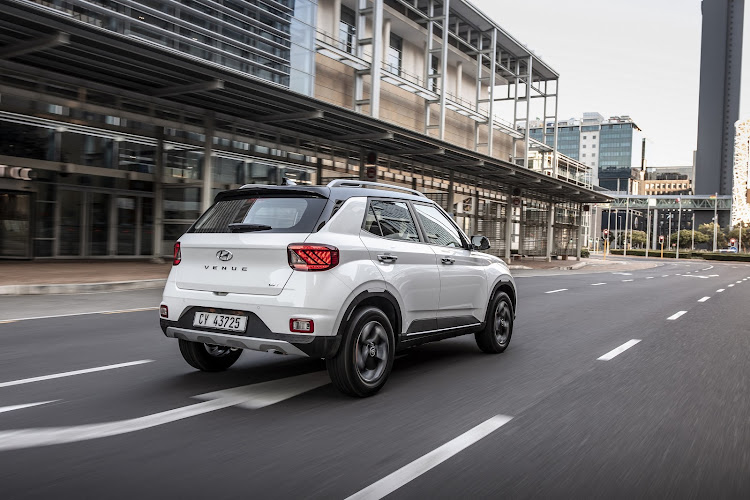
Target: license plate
<point x="220" y="321"/>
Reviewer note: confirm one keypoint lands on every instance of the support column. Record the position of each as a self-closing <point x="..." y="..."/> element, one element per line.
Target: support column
<point x="579" y="239"/>
<point x="336" y="20"/>
<point x="554" y="140"/>
<point x="443" y="67"/>
<point x="377" y="57"/>
<point x="207" y="172"/>
<point x="156" y="244"/>
<point x="386" y="37"/>
<point x="655" y="237"/>
<point x="449" y="208"/>
<point x="550" y="231"/>
<point x="508" y="226"/>
<point x="459" y="78"/>
<point x="521" y="221"/>
<point x="493" y="71"/>
<point x="528" y="114"/>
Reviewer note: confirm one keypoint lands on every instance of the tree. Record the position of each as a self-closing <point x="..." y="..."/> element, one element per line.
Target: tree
<point x="708" y="230"/>
<point x="735" y="233"/>
<point x="686" y="238"/>
<point x="639" y="239"/>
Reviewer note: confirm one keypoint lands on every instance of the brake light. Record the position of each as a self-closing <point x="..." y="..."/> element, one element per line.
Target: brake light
<point x="303" y="257"/>
<point x="177" y="254"/>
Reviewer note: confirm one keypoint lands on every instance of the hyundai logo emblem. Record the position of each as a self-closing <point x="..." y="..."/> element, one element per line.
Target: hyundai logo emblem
<point x="224" y="255"/>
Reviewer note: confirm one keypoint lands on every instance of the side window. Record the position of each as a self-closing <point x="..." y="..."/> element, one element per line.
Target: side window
<point x="392" y="220"/>
<point x="438" y="227"/>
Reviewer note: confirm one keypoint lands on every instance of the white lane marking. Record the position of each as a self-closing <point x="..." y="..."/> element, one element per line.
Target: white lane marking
<point x="256" y="396"/>
<point x="664" y="275"/>
<point x="555" y="291"/>
<point x="76" y="372"/>
<point x="625" y="274"/>
<point x="713" y="275"/>
<point x="730" y="285"/>
<point x="704" y="299"/>
<point x="29" y="438"/>
<point x="719" y="290"/>
<point x="676" y="315"/>
<point x="411" y="471"/>
<point x="3" y="409"/>
<point x="692" y="276"/>
<point x="614" y="352"/>
<point x="597" y="284"/>
<point x="738" y="281"/>
<point x="649" y="277"/>
<point x="118" y="311"/>
<point x="626" y="280"/>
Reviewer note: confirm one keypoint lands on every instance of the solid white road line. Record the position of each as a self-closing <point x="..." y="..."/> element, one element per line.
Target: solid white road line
<point x="676" y="315"/>
<point x="614" y="352"/>
<point x="3" y="409"/>
<point x="703" y="299"/>
<point x="76" y="372"/>
<point x="30" y="438"/>
<point x="409" y="472"/>
<point x="719" y="290"/>
<point x="118" y="311"/>
<point x="626" y="280"/>
<point x="597" y="284"/>
<point x="555" y="291"/>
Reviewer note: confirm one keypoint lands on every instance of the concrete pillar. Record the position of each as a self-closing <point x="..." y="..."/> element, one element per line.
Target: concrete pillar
<point x="156" y="244"/>
<point x="550" y="231"/>
<point x="521" y="221"/>
<point x="386" y="37"/>
<point x="508" y="227"/>
<point x="579" y="242"/>
<point x="336" y="19"/>
<point x="377" y="56"/>
<point x="449" y="208"/>
<point x="459" y="78"/>
<point x="655" y="226"/>
<point x="207" y="172"/>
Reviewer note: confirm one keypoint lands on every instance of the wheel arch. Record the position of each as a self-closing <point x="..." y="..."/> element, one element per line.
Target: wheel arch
<point x="507" y="286"/>
<point x="383" y="300"/>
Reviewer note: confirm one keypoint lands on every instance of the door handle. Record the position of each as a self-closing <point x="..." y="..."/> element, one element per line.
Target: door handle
<point x="387" y="258"/>
<point x="447" y="260"/>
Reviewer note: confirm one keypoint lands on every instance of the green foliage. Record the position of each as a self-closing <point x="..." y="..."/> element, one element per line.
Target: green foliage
<point x="735" y="233"/>
<point x="668" y="254"/>
<point x="585" y="253"/>
<point x="686" y="238"/>
<point x="708" y="230"/>
<point x="739" y="257"/>
<point x="639" y="238"/>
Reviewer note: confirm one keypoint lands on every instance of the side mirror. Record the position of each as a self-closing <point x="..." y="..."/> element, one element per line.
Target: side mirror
<point x="480" y="242"/>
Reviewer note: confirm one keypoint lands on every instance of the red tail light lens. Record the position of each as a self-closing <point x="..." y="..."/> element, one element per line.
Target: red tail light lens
<point x="177" y="254"/>
<point x="303" y="257"/>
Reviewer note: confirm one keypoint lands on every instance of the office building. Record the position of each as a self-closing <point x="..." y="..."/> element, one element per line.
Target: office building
<point x="120" y="120"/>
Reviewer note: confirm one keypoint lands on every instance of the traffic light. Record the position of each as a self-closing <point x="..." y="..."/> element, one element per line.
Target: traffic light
<point x="661" y="238"/>
<point x="371" y="158"/>
<point x="605" y="232"/>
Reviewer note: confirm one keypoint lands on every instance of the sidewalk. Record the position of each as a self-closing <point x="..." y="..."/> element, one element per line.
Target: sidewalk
<point x="48" y="277"/>
<point x="58" y="277"/>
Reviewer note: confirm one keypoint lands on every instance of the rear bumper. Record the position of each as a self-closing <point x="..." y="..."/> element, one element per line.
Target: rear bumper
<point x="309" y="346"/>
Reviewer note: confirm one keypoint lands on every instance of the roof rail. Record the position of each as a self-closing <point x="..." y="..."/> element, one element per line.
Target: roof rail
<point x="350" y="183"/>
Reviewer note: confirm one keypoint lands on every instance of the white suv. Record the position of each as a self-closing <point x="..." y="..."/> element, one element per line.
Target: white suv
<point x="350" y="272"/>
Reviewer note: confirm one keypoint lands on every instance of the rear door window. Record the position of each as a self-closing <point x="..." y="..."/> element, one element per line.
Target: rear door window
<point x="391" y="220"/>
<point x="261" y="214"/>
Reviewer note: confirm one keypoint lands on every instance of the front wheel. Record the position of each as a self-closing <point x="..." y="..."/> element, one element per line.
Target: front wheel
<point x="208" y="357"/>
<point x="365" y="358"/>
<point x="498" y="329"/>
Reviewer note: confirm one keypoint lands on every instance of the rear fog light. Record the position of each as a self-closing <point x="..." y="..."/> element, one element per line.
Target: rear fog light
<point x="163" y="311"/>
<point x="297" y="325"/>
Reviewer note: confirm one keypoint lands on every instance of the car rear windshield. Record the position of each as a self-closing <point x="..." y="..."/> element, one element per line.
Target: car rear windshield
<point x="261" y="214"/>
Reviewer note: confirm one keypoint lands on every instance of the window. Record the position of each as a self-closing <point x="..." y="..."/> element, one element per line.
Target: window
<point x="584" y="146"/>
<point x="583" y="155"/>
<point x="593" y="137"/>
<point x="584" y="137"/>
<point x="393" y="56"/>
<point x="347" y="30"/>
<point x="391" y="220"/>
<point x="593" y="154"/>
<point x="439" y="229"/>
<point x="274" y="215"/>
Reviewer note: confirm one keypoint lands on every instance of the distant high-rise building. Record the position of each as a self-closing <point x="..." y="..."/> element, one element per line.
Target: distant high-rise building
<point x="719" y="105"/>
<point x="611" y="147"/>
<point x="741" y="187"/>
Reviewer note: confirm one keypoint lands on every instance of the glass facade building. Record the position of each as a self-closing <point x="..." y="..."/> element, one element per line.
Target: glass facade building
<point x="273" y="39"/>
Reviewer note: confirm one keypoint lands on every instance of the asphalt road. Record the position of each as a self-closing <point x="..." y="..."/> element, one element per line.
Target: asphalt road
<point x="667" y="417"/>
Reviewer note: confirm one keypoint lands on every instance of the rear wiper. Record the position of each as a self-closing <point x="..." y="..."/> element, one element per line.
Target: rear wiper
<point x="248" y="228"/>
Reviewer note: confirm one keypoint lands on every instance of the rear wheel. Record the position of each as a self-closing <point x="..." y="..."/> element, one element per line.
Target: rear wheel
<point x="208" y="357"/>
<point x="498" y="329"/>
<point x="365" y="358"/>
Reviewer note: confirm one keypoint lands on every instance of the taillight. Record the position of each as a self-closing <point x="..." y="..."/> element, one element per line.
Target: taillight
<point x="304" y="257"/>
<point x="177" y="254"/>
<point x="163" y="311"/>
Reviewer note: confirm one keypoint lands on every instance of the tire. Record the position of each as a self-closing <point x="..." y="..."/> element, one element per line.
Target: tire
<point x="498" y="329"/>
<point x="363" y="362"/>
<point x="207" y="357"/>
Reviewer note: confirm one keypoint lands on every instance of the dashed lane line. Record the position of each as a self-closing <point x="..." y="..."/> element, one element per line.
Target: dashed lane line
<point x="411" y="471"/>
<point x="555" y="291"/>
<point x="730" y="285"/>
<point x="649" y="277"/>
<point x="597" y="284"/>
<point x="626" y="280"/>
<point x="4" y="409"/>
<point x="676" y="315"/>
<point x="119" y="311"/>
<point x="75" y="372"/>
<point x="664" y="275"/>
<point x="719" y="290"/>
<point x="619" y="350"/>
<point x="703" y="299"/>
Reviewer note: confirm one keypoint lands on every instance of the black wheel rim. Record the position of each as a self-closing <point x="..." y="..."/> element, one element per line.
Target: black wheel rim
<point x="217" y="351"/>
<point x="371" y="352"/>
<point x="503" y="322"/>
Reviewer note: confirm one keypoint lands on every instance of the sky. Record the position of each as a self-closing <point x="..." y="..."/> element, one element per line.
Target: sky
<point x="639" y="58"/>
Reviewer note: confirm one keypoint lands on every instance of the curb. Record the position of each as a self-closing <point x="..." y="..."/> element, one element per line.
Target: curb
<point x="62" y="288"/>
<point x="574" y="266"/>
